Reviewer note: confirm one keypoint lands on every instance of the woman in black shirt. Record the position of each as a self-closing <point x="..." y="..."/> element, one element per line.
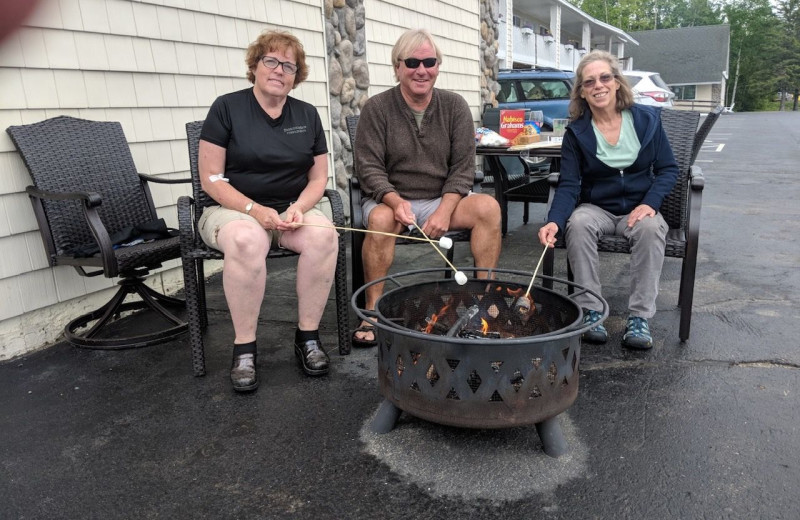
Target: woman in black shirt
<point x="263" y="158"/>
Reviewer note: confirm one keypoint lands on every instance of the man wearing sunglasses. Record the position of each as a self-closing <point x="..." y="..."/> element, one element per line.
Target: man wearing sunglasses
<point x="415" y="160"/>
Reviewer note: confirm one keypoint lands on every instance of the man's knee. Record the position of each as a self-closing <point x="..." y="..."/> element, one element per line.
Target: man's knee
<point x="481" y="209"/>
<point x="381" y="218"/>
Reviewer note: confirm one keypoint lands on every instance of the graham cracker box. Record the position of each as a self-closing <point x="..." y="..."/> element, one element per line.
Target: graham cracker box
<point x="516" y="129"/>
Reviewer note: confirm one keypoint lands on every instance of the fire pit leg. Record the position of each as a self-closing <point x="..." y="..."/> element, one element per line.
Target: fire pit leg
<point x="385" y="417"/>
<point x="552" y="437"/>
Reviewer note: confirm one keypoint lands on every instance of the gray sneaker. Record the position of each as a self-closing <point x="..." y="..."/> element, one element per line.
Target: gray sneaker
<point x="597" y="334"/>
<point x="637" y="334"/>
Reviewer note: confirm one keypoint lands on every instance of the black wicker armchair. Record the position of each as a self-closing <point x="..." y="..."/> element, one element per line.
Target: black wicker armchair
<point x="357" y="222"/>
<point x="681" y="208"/>
<point x="194" y="252"/>
<point x="88" y="199"/>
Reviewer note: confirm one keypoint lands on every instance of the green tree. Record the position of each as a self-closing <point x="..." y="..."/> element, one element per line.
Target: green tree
<point x="788" y="69"/>
<point x="764" y="46"/>
<point x="756" y="35"/>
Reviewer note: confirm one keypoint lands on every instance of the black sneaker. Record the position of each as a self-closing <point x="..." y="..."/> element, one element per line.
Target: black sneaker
<point x="597" y="334"/>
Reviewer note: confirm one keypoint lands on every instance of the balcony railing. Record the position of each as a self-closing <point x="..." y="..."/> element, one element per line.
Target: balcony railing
<point x="540" y="50"/>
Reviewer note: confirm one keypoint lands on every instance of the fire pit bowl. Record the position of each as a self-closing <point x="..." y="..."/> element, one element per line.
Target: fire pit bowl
<point x="462" y="355"/>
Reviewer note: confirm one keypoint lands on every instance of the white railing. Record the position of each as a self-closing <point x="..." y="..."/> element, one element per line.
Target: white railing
<point x="539" y="50"/>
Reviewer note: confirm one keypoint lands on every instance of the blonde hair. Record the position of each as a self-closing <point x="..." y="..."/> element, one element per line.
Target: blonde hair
<point x="408" y="42"/>
<point x="271" y="41"/>
<point x="578" y="105"/>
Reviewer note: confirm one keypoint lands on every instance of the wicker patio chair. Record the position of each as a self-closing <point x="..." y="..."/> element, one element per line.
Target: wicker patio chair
<point x="87" y="195"/>
<point x="357" y="222"/>
<point x="194" y="252"/>
<point x="681" y="208"/>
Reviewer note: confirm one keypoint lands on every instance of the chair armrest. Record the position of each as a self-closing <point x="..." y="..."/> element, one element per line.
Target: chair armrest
<point x="90" y="199"/>
<point x="162" y="180"/>
<point x="552" y="179"/>
<point x="356" y="217"/>
<point x="696" y="179"/>
<point x="337" y="207"/>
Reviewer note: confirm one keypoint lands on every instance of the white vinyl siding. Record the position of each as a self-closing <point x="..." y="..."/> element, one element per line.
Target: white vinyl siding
<point x="151" y="65"/>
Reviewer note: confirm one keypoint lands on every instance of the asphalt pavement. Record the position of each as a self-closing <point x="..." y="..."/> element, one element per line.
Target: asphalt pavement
<point x="704" y="429"/>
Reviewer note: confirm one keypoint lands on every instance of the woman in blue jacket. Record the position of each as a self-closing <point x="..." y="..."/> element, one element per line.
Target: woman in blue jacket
<point x="616" y="169"/>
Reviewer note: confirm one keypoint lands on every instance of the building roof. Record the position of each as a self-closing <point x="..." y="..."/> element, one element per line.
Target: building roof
<point x="686" y="55"/>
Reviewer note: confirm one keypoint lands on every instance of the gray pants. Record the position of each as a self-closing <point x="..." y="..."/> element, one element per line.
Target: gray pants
<point x="647" y="239"/>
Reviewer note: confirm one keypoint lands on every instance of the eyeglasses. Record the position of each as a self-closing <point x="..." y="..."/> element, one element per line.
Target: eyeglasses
<point x="271" y="63"/>
<point x="413" y="63"/>
<point x="605" y="79"/>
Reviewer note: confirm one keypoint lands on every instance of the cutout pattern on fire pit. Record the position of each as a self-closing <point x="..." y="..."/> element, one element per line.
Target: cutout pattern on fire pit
<point x="477" y="382"/>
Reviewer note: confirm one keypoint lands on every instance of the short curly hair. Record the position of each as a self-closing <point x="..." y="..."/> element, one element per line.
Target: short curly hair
<point x="578" y="105"/>
<point x="270" y="41"/>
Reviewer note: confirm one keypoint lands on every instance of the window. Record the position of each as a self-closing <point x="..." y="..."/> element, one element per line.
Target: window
<point x="508" y="93"/>
<point x="544" y="89"/>
<point x="687" y="92"/>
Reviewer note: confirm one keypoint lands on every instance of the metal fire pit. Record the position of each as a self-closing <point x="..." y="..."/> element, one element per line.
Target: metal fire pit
<point x="523" y="371"/>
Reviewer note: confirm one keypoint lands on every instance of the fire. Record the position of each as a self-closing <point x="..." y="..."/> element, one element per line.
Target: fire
<point x="484" y="326"/>
<point x="434" y="318"/>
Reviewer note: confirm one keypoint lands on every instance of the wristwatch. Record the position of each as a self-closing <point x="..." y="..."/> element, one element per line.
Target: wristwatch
<point x="248" y="207"/>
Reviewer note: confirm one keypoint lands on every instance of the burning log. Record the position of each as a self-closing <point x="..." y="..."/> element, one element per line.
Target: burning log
<point x="463" y="321"/>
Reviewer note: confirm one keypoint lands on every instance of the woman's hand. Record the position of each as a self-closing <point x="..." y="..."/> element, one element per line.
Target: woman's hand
<point x="639" y="212"/>
<point x="294" y="217"/>
<point x="547" y="234"/>
<point x="267" y="217"/>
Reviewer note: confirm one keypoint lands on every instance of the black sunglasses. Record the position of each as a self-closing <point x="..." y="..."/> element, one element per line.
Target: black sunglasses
<point x="413" y="63"/>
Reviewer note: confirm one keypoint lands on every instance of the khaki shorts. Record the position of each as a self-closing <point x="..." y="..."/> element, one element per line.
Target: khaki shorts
<point x="214" y="218"/>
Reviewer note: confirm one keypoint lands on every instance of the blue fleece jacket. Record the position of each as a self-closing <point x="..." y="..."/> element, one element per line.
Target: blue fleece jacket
<point x="584" y="178"/>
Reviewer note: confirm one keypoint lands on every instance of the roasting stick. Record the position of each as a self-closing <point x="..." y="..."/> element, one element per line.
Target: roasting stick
<point x="461" y="278"/>
<point x="523" y="303"/>
<point x="444" y="242"/>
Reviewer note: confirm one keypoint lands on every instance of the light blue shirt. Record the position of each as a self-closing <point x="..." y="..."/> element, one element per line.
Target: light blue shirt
<point x="622" y="154"/>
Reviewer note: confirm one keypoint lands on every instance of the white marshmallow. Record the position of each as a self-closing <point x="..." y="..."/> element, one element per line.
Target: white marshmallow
<point x="461" y="278"/>
<point x="445" y="242"/>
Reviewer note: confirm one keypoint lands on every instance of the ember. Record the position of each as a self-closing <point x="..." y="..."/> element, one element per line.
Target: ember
<point x="474" y="322"/>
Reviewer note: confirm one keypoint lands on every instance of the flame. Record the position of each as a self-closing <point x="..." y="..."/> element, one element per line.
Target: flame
<point x="434" y="318"/>
<point x="484" y="326"/>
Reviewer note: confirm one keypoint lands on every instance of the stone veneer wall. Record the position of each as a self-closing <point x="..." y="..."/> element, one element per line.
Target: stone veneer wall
<point x="348" y="77"/>
<point x="490" y="11"/>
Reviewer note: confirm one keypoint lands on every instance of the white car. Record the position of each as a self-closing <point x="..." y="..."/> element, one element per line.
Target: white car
<point x="649" y="88"/>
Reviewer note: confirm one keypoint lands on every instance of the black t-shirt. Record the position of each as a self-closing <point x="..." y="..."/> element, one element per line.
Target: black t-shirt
<point x="266" y="159"/>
